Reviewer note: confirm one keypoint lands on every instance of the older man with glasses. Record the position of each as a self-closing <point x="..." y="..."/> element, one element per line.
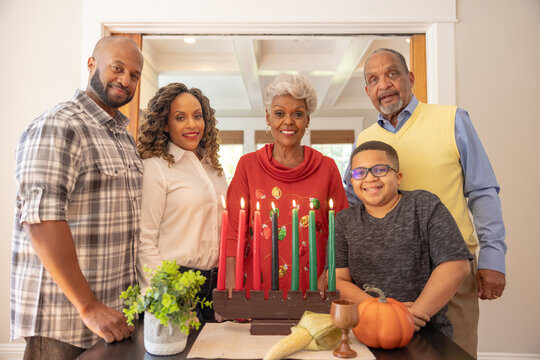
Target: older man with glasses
<point x="441" y="153"/>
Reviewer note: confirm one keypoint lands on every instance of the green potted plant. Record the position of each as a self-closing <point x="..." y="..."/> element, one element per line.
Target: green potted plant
<point x="171" y="297"/>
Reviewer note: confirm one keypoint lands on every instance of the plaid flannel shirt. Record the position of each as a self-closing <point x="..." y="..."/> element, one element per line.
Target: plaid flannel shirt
<point x="75" y="163"/>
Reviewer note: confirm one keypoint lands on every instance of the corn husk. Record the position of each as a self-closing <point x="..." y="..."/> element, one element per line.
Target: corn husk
<point x="313" y="332"/>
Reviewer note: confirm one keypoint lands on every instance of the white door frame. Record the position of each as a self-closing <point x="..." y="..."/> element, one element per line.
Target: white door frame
<point x="440" y="40"/>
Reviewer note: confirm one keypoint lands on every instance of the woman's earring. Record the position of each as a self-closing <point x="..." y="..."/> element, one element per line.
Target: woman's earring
<point x="307" y="130"/>
<point x="268" y="129"/>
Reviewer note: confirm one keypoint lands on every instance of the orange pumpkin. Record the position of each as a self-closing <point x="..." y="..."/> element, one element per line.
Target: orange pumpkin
<point x="383" y="322"/>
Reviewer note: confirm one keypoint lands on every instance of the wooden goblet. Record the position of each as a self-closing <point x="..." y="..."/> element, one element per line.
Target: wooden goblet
<point x="344" y="315"/>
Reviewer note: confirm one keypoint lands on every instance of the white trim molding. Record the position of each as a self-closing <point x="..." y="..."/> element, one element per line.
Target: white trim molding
<point x="507" y="356"/>
<point x="268" y="27"/>
<point x="440" y="39"/>
<point x="12" y="351"/>
<point x="437" y="19"/>
<point x="440" y="63"/>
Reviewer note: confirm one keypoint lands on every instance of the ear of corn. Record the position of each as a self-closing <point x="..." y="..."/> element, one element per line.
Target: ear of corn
<point x="313" y="332"/>
<point x="297" y="340"/>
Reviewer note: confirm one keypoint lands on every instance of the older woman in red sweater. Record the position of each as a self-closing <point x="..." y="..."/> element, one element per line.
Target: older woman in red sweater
<point x="280" y="173"/>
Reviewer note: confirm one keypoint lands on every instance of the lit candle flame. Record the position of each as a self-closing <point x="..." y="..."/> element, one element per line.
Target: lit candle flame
<point x="223" y="202"/>
<point x="294" y="204"/>
<point x="258" y="206"/>
<point x="242" y="203"/>
<point x="311" y="205"/>
<point x="331" y="204"/>
<point x="273" y="207"/>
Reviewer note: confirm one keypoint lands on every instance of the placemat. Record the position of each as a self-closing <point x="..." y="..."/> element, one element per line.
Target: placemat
<point x="230" y="340"/>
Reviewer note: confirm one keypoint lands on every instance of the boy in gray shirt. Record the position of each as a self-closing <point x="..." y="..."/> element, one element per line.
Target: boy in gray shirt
<point x="404" y="242"/>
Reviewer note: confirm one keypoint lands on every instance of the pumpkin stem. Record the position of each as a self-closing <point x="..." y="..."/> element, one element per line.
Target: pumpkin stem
<point x="372" y="288"/>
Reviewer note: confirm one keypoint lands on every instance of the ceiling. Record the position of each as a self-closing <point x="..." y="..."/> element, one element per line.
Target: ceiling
<point x="232" y="71"/>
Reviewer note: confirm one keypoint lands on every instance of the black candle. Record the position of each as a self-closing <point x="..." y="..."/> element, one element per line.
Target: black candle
<point x="275" y="250"/>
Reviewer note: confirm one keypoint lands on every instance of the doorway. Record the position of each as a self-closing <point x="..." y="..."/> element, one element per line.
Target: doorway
<point x="232" y="71"/>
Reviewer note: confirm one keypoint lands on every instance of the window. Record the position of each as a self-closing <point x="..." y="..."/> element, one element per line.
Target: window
<point x="230" y="151"/>
<point x="336" y="144"/>
<point x="262" y="138"/>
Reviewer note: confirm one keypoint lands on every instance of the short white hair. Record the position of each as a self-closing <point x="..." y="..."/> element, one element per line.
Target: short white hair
<point x="296" y="86"/>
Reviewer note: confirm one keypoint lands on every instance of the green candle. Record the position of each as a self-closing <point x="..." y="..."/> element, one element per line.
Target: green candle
<point x="295" y="267"/>
<point x="331" y="250"/>
<point x="312" y="251"/>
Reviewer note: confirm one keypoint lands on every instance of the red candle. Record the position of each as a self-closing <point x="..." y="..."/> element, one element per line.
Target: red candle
<point x="222" y="248"/>
<point x="239" y="279"/>
<point x="257" y="249"/>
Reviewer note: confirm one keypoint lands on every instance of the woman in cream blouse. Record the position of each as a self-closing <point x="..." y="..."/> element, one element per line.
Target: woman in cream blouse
<point x="182" y="187"/>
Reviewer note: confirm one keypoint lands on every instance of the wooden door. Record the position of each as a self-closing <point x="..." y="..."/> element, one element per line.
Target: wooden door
<point x="131" y="110"/>
<point x="418" y="66"/>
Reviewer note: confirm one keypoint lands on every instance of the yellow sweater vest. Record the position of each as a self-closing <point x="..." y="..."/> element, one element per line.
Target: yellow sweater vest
<point x="429" y="159"/>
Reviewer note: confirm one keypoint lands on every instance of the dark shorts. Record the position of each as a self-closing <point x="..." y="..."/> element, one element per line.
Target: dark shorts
<point x="44" y="348"/>
<point x="205" y="314"/>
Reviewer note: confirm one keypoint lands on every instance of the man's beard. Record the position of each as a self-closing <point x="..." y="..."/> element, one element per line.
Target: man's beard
<point x="392" y="109"/>
<point x="100" y="89"/>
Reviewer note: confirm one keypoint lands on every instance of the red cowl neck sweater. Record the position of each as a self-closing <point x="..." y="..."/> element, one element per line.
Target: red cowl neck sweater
<point x="259" y="178"/>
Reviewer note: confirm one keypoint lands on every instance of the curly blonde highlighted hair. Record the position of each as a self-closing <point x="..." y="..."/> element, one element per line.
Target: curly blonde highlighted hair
<point x="153" y="140"/>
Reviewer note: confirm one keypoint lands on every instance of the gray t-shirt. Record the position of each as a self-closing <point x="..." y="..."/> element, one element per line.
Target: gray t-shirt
<point x="399" y="252"/>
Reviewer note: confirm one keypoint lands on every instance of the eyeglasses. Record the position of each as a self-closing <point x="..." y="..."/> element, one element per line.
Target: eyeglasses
<point x="378" y="170"/>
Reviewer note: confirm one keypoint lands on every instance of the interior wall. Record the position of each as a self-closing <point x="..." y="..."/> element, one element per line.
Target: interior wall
<point x="498" y="82"/>
<point x="148" y="85"/>
<point x="497" y="77"/>
<point x="39" y="67"/>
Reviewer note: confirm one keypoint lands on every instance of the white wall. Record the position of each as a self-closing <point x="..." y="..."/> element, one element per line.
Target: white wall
<point x="149" y="84"/>
<point x="498" y="82"/>
<point x="497" y="74"/>
<point x="39" y="66"/>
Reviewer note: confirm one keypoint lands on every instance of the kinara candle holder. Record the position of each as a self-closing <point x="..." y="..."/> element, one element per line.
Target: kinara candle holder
<point x="274" y="315"/>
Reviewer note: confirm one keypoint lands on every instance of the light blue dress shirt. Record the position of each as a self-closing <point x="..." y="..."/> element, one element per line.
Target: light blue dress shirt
<point x="480" y="187"/>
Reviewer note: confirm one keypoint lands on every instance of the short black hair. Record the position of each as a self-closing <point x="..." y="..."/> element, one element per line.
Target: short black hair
<point x="378" y="145"/>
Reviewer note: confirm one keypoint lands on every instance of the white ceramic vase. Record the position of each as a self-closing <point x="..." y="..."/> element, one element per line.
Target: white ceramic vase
<point x="162" y="340"/>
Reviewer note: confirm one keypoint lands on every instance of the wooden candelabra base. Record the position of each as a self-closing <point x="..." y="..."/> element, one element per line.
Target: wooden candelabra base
<point x="274" y="315"/>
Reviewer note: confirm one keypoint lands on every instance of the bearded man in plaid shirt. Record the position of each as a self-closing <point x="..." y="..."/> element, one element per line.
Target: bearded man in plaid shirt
<point x="79" y="184"/>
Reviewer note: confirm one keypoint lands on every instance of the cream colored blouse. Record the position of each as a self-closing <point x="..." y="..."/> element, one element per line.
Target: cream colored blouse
<point x="181" y="212"/>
